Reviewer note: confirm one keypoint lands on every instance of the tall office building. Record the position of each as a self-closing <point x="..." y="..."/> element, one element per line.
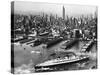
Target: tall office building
<point x="63" y="13"/>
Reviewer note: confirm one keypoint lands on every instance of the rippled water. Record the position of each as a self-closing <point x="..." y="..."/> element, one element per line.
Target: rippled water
<point x="92" y="63"/>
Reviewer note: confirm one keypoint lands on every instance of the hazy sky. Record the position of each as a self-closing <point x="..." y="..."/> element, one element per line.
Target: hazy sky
<point x="35" y="7"/>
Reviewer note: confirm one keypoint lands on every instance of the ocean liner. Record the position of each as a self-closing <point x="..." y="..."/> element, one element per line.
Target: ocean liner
<point x="50" y="64"/>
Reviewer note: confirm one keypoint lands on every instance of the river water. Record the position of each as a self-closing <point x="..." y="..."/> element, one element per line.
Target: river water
<point x="90" y="64"/>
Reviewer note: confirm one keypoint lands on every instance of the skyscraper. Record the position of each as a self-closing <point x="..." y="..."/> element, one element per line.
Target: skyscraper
<point x="63" y="13"/>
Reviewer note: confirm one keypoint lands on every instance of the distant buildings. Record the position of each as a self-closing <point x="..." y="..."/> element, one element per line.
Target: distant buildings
<point x="63" y="13"/>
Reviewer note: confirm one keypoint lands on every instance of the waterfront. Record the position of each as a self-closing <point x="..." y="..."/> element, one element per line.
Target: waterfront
<point x="66" y="40"/>
<point x="29" y="68"/>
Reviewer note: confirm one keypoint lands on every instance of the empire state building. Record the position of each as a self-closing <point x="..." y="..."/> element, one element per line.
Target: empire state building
<point x="63" y="13"/>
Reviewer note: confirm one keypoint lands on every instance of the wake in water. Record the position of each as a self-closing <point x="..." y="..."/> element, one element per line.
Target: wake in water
<point x="25" y="68"/>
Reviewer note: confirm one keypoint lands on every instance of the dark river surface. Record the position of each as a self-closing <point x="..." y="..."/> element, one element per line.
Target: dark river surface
<point x="38" y="57"/>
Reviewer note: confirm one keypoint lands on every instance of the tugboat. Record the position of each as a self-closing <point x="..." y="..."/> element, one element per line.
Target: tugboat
<point x="49" y="64"/>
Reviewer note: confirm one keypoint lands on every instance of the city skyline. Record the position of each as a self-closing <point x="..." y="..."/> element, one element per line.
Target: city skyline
<point x="48" y="8"/>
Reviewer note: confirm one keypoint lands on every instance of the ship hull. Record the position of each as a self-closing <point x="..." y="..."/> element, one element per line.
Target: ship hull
<point x="62" y="64"/>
